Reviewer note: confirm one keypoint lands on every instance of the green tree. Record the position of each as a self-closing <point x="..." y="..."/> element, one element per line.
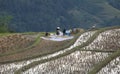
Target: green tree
<point x="4" y="21"/>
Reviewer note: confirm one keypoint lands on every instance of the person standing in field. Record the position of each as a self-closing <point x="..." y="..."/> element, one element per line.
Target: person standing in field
<point x="64" y="31"/>
<point x="58" y="31"/>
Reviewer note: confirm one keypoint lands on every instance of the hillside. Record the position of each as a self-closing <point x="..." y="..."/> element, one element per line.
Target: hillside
<point x="90" y="52"/>
<point x="37" y="15"/>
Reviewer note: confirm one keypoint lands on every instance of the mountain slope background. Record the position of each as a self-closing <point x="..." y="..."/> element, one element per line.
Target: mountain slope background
<point x="46" y="15"/>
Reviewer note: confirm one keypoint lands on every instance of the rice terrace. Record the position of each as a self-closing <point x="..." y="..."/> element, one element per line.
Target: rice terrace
<point x="59" y="36"/>
<point x="89" y="52"/>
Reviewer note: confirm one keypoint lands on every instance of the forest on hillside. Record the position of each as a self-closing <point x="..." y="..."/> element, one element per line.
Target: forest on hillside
<point x="37" y="15"/>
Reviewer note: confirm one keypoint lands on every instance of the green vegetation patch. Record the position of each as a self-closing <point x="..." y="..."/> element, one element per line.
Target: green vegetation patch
<point x="5" y="34"/>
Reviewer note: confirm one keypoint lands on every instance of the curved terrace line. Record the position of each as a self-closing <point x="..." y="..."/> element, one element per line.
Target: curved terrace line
<point x="36" y="56"/>
<point x="56" y="52"/>
<point x="103" y="63"/>
<point x="58" y="56"/>
<point x="74" y="49"/>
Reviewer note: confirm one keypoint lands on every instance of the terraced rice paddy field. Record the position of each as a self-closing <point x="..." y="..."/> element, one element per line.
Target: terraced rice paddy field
<point x="13" y="42"/>
<point x="90" y="52"/>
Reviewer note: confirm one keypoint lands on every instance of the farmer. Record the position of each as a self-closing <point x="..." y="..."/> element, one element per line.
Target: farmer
<point x="64" y="31"/>
<point x="46" y="34"/>
<point x="58" y="31"/>
<point x="68" y="32"/>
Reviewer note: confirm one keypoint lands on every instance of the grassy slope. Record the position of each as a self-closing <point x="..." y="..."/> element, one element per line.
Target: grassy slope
<point x="108" y="11"/>
<point x="91" y="39"/>
<point x="4" y="34"/>
<point x="95" y="11"/>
